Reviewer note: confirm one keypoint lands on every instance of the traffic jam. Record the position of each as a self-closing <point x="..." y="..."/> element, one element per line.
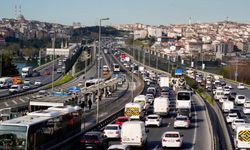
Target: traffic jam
<point x="163" y="98"/>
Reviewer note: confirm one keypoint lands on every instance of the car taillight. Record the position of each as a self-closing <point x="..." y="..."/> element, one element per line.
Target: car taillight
<point x="97" y="142"/>
<point x="178" y="140"/>
<point x="164" y="140"/>
<point x="157" y="119"/>
<point x="117" y="132"/>
<point x="236" y="143"/>
<point x="82" y="141"/>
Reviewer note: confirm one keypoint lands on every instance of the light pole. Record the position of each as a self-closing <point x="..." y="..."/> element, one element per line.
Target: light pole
<point x="53" y="61"/>
<point x="98" y="69"/>
<point x="236" y="69"/>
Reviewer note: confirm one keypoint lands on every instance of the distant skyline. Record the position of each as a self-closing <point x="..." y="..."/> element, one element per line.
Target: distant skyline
<point x="153" y="12"/>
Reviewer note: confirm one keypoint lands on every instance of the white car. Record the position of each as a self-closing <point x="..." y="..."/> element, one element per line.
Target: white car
<point x="119" y="147"/>
<point x="182" y="121"/>
<point x="237" y="122"/>
<point x="226" y="90"/>
<point x="223" y="99"/>
<point x="246" y="108"/>
<point x="153" y="120"/>
<point x="241" y="86"/>
<point x="171" y="139"/>
<point x="231" y="117"/>
<point x="26" y="86"/>
<point x="240" y="99"/>
<point x="229" y="86"/>
<point x="112" y="131"/>
<point x="38" y="83"/>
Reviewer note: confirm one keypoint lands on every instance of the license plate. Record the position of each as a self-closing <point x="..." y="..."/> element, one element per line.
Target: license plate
<point x="89" y="147"/>
<point x="110" y="132"/>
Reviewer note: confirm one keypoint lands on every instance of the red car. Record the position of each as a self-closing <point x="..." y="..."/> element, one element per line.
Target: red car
<point x="46" y="72"/>
<point x="121" y="120"/>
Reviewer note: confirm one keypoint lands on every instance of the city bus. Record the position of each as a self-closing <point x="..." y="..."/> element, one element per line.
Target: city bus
<point x="183" y="99"/>
<point x="41" y="129"/>
<point x="116" y="67"/>
<point x="93" y="82"/>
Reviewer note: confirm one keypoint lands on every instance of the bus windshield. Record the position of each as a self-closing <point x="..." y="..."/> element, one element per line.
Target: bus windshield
<point x="12" y="137"/>
<point x="183" y="96"/>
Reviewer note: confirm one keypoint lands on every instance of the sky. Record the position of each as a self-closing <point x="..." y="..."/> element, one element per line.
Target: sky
<point x="153" y="12"/>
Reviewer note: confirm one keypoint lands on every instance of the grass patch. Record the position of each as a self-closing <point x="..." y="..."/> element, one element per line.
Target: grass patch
<point x="194" y="85"/>
<point x="64" y="79"/>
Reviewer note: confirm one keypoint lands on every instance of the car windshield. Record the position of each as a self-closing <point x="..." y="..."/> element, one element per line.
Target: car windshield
<point x="172" y="135"/>
<point x="232" y="115"/>
<point x="183" y="96"/>
<point x="239" y="121"/>
<point x="14" y="87"/>
<point x="181" y="118"/>
<point x="241" y="97"/>
<point x="152" y="117"/>
<point x="111" y="128"/>
<point x="90" y="137"/>
<point x="122" y="120"/>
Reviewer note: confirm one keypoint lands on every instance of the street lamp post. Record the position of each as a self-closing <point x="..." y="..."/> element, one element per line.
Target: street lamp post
<point x="53" y="61"/>
<point x="98" y="69"/>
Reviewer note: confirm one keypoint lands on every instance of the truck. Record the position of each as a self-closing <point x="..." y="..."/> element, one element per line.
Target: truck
<point x="134" y="111"/>
<point x="27" y="71"/>
<point x="164" y="82"/>
<point x="141" y="69"/>
<point x="143" y="100"/>
<point x="241" y="136"/>
<point x="5" y="82"/>
<point x="227" y="106"/>
<point x="161" y="105"/>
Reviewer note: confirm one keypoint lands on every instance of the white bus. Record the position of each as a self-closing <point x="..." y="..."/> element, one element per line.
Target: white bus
<point x="93" y="82"/>
<point x="183" y="99"/>
<point x="116" y="67"/>
<point x="41" y="129"/>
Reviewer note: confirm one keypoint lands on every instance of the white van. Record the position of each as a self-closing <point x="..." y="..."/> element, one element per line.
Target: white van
<point x="133" y="133"/>
<point x="143" y="100"/>
<point x="161" y="105"/>
<point x="134" y="111"/>
<point x="241" y="136"/>
<point x="219" y="93"/>
<point x="6" y="82"/>
<point x="227" y="106"/>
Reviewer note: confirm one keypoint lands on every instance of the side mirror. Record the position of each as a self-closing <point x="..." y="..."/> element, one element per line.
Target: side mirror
<point x="182" y="135"/>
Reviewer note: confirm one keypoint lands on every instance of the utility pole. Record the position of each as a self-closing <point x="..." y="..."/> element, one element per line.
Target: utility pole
<point x="53" y="60"/>
<point x="1" y="61"/>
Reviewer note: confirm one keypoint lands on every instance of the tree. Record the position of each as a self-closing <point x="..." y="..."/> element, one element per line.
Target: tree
<point x="8" y="69"/>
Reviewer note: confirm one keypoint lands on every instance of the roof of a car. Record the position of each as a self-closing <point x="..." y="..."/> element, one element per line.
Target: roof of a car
<point x="118" y="146"/>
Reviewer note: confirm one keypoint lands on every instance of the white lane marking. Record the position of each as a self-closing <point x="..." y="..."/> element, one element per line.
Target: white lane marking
<point x="14" y="101"/>
<point x="6" y="104"/>
<point x="156" y="147"/>
<point x="22" y="100"/>
<point x="195" y="127"/>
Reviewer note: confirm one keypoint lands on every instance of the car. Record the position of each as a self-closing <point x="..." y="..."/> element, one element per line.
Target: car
<point x="46" y="72"/>
<point x="240" y="99"/>
<point x="232" y="96"/>
<point x="237" y="122"/>
<point x="184" y="112"/>
<point x="38" y="82"/>
<point x="246" y="108"/>
<point x="26" y="86"/>
<point x="80" y="83"/>
<point x="231" y="117"/>
<point x="120" y="120"/>
<point x="223" y="99"/>
<point x="153" y="119"/>
<point x="226" y="90"/>
<point x="150" y="98"/>
<point x="172" y="139"/>
<point x="223" y="83"/>
<point x="229" y="86"/>
<point x="241" y="86"/>
<point x="119" y="147"/>
<point x="112" y="131"/>
<point x="41" y="93"/>
<point x="26" y="81"/>
<point x="36" y="74"/>
<point x="59" y="70"/>
<point x="16" y="88"/>
<point x="94" y="140"/>
<point x="182" y="121"/>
